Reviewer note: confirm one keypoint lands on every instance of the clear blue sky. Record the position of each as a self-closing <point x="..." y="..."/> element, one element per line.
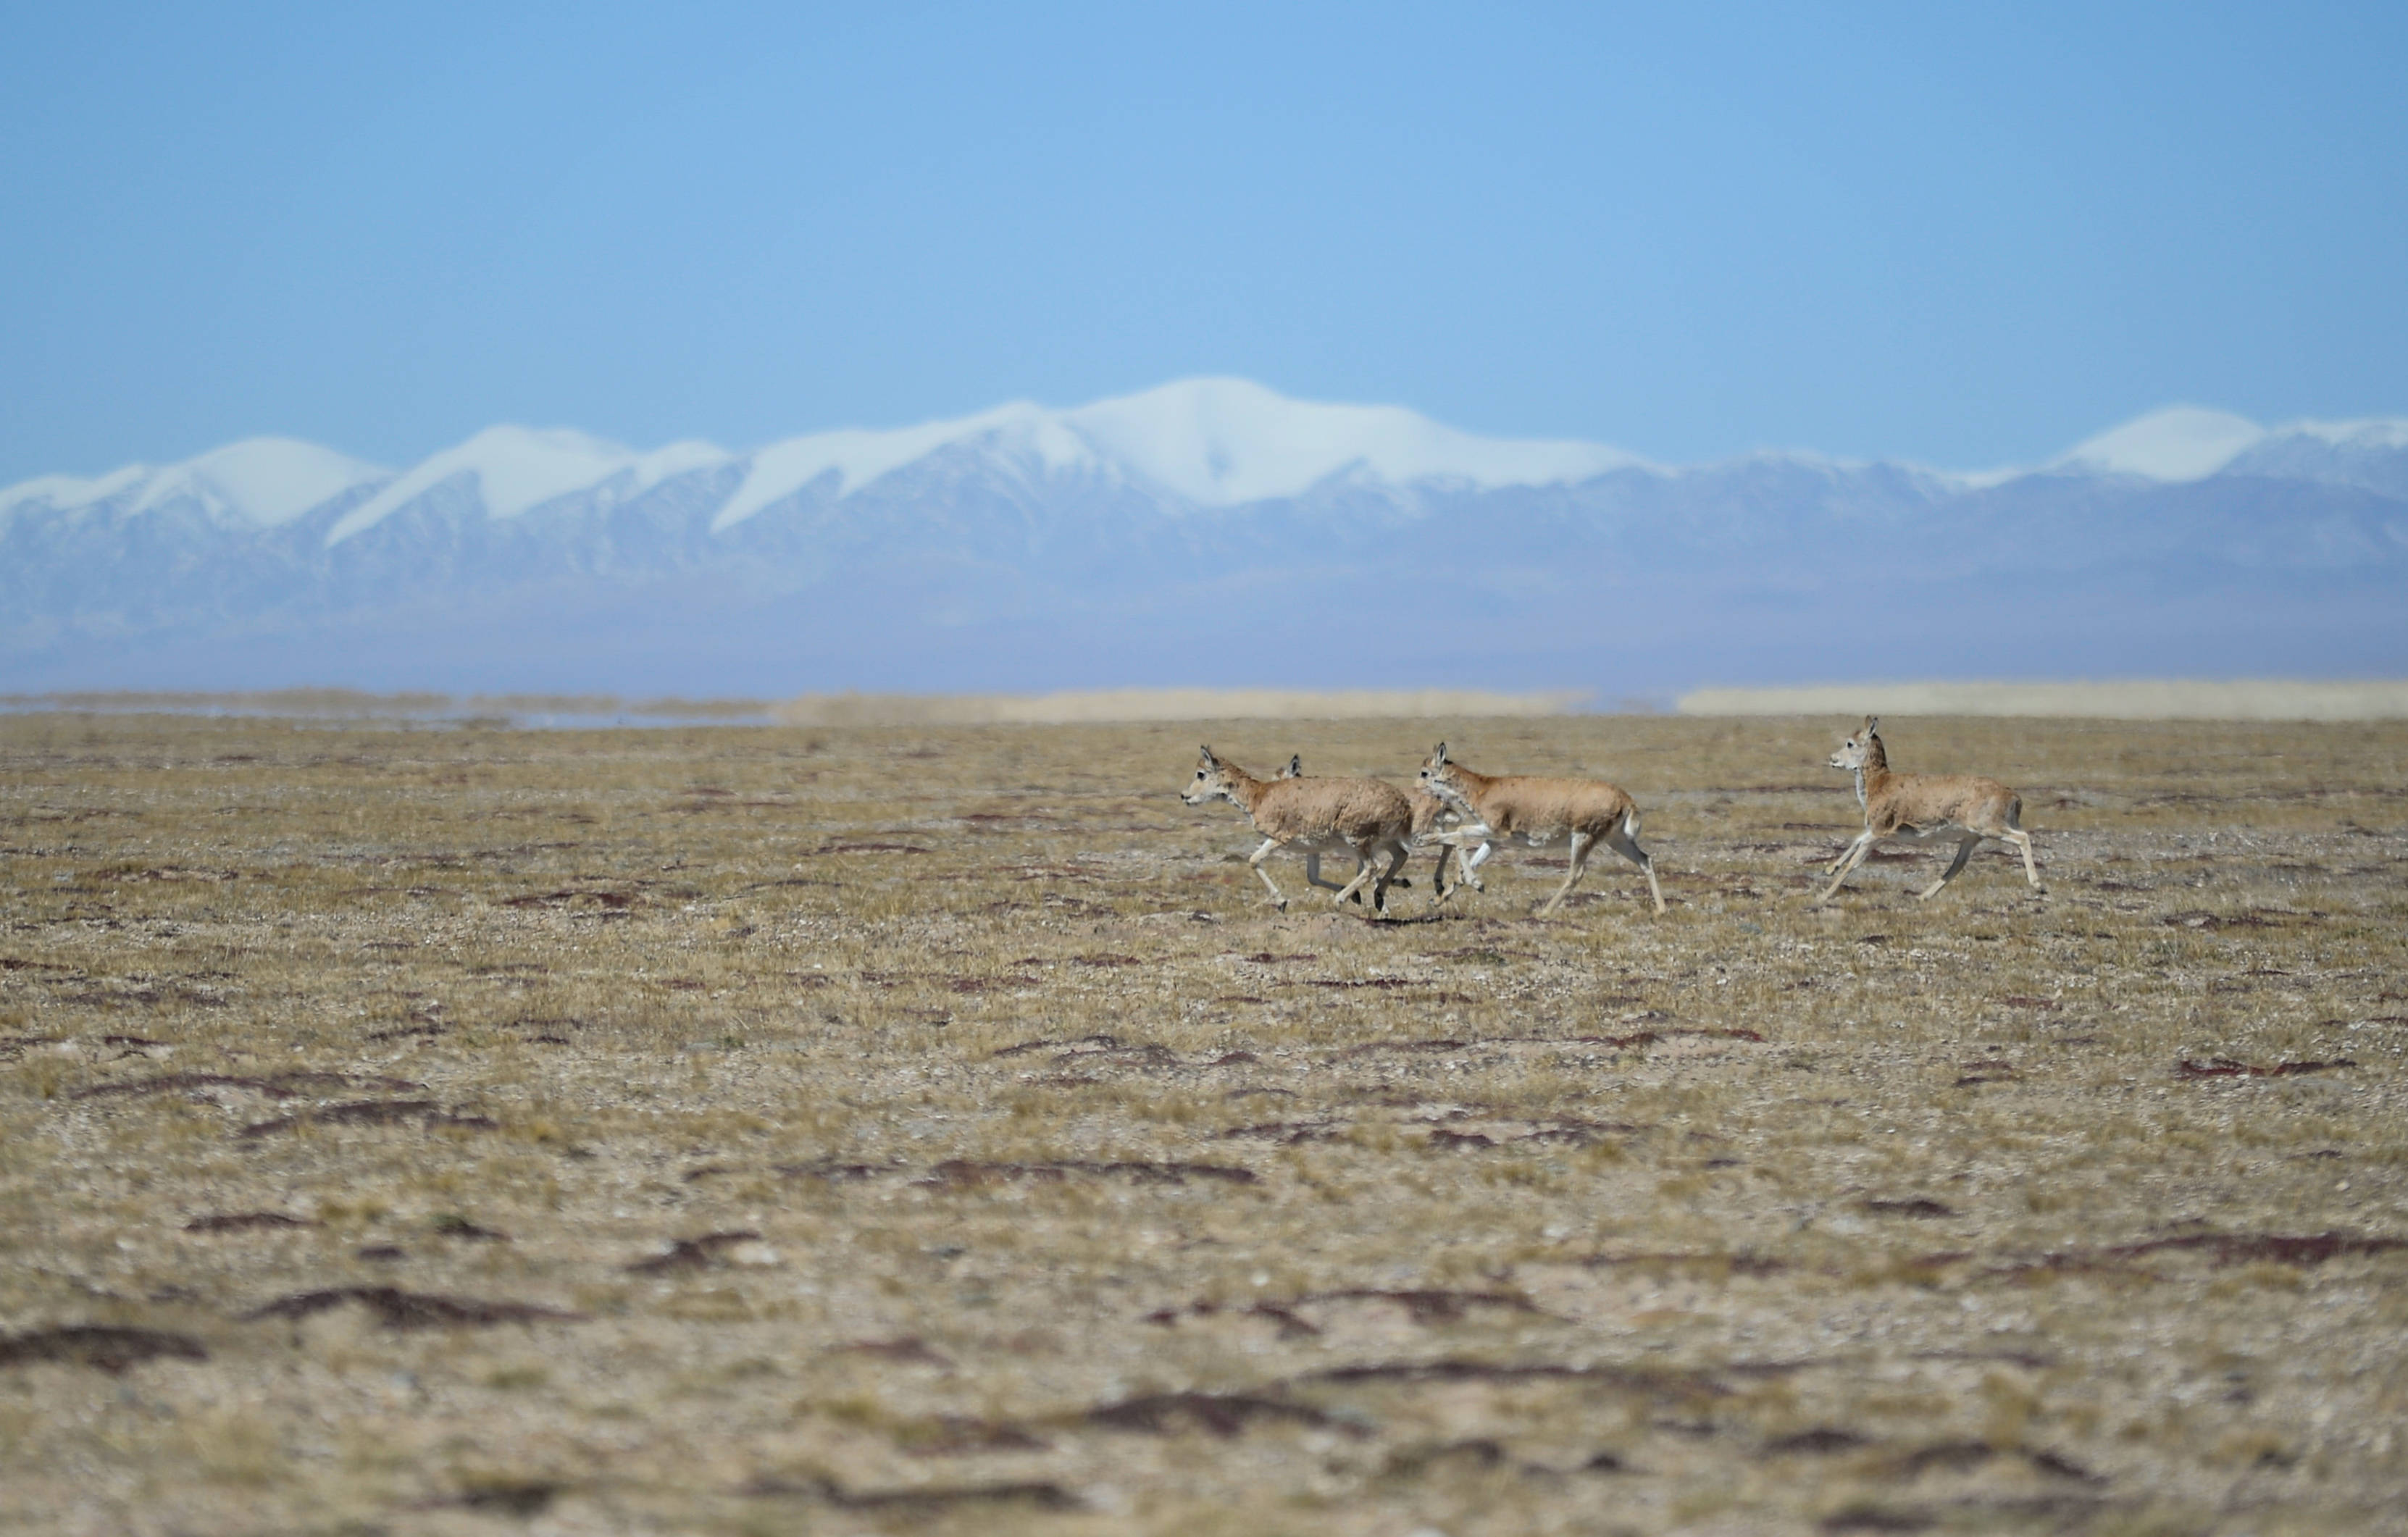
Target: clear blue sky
<point x="1964" y="235"/>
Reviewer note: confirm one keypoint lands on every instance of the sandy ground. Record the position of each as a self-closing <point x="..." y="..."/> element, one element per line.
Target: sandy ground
<point x="2137" y="700"/>
<point x="851" y="1130"/>
<point x="1116" y="706"/>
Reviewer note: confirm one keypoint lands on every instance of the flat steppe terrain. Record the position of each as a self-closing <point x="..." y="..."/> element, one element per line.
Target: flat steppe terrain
<point x="418" y="1129"/>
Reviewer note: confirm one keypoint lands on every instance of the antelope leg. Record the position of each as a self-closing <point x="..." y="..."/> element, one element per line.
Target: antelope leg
<point x="1399" y="851"/>
<point x="1627" y="846"/>
<point x="1581" y="843"/>
<point x="1260" y="854"/>
<point x="1313" y="872"/>
<point x="1848" y="861"/>
<point x="1364" y="869"/>
<point x="2022" y="839"/>
<point x="1440" y="890"/>
<point x="1479" y="837"/>
<point x="1965" y="847"/>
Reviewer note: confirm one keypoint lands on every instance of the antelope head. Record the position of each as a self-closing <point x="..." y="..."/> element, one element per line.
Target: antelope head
<point x="1439" y="776"/>
<point x="1858" y="748"/>
<point x="1212" y="782"/>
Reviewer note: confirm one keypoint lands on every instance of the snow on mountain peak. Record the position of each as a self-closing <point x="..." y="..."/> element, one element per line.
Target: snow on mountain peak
<point x="65" y="491"/>
<point x="2373" y="432"/>
<point x="1214" y="442"/>
<point x="2178" y="443"/>
<point x="1220" y="442"/>
<point x="264" y="482"/>
<point x="859" y="455"/>
<point x="516" y="468"/>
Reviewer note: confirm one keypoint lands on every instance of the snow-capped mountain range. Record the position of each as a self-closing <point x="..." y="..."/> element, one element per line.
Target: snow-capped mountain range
<point x="1205" y="531"/>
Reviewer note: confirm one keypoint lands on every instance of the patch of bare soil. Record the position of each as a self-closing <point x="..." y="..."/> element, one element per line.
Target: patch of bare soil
<point x="2229" y="1067"/>
<point x="969" y="1172"/>
<point x="282" y="1086"/>
<point x="397" y="1309"/>
<point x="424" y="1112"/>
<point x="108" y="1347"/>
<point x="236" y="1222"/>
<point x="930" y="1500"/>
<point x="1223" y="1415"/>
<point x="693" y="1254"/>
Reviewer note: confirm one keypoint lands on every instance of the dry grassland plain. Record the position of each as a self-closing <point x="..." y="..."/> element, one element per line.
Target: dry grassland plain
<point x="924" y="1129"/>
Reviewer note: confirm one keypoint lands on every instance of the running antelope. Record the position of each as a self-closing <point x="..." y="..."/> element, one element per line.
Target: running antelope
<point x="1587" y="811"/>
<point x="1316" y="817"/>
<point x="1295" y="769"/>
<point x="1924" y="807"/>
<point x="1429" y="812"/>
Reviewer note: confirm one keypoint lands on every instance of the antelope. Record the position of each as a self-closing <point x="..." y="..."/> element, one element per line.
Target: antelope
<point x="1923" y="808"/>
<point x="1360" y="816"/>
<point x="1295" y="769"/>
<point x="1428" y="811"/>
<point x="1586" y="811"/>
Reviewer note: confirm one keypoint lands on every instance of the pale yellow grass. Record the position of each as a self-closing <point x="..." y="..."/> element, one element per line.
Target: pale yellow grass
<point x="1086" y="1195"/>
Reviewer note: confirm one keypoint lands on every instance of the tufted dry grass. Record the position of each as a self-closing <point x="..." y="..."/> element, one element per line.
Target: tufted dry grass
<point x="428" y="1130"/>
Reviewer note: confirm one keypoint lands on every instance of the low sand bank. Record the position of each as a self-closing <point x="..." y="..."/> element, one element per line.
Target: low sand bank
<point x="2136" y="699"/>
<point x="1166" y="704"/>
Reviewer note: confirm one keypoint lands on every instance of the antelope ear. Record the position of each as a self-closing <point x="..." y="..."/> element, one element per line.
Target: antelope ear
<point x="1295" y="766"/>
<point x="1871" y="724"/>
<point x="1438" y="755"/>
<point x="1207" y="759"/>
